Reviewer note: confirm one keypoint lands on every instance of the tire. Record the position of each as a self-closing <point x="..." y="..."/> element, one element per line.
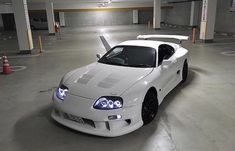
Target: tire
<point x="184" y="71"/>
<point x="149" y="107"/>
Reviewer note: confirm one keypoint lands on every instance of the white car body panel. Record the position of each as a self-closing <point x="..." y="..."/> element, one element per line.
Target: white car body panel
<point x="179" y="37"/>
<point x="89" y="83"/>
<point x="103" y="79"/>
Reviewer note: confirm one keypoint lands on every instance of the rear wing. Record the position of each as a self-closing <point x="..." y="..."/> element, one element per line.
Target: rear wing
<point x="178" y="37"/>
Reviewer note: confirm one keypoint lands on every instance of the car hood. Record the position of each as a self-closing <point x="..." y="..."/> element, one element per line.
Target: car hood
<point x="97" y="79"/>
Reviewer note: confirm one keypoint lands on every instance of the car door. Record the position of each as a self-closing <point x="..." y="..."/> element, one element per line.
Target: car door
<point x="167" y="63"/>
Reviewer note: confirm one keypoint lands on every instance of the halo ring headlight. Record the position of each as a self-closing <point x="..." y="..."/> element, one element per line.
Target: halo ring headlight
<point x="108" y="103"/>
<point x="61" y="92"/>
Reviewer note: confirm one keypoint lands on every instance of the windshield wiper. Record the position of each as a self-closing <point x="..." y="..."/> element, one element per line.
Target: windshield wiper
<point x="120" y="64"/>
<point x="142" y="65"/>
<point x="115" y="63"/>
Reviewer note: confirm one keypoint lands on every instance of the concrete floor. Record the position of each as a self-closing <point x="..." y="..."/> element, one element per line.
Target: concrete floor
<point x="196" y="116"/>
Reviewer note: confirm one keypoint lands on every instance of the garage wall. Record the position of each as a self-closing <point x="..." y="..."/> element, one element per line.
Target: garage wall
<point x="98" y="18"/>
<point x="6" y="9"/>
<point x="147" y="15"/>
<point x="42" y="14"/>
<point x="225" y="20"/>
<point x="179" y="14"/>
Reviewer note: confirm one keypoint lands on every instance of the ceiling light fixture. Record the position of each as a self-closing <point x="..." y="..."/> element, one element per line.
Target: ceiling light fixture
<point x="7" y="3"/>
<point x="105" y="4"/>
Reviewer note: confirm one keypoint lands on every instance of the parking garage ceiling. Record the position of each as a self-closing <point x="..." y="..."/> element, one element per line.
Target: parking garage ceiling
<point x="89" y="1"/>
<point x="82" y="1"/>
<point x="93" y="4"/>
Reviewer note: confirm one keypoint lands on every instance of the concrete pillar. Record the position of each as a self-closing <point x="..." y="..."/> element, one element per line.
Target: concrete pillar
<point x="157" y="14"/>
<point x="62" y="19"/>
<point x="208" y="20"/>
<point x="135" y="16"/>
<point x="195" y="5"/>
<point x="24" y="33"/>
<point x="50" y="18"/>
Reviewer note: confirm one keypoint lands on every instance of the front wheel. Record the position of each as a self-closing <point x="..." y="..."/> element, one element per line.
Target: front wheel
<point x="185" y="71"/>
<point x="149" y="107"/>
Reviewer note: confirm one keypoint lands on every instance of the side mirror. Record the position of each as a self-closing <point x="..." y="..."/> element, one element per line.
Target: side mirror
<point x="98" y="55"/>
<point x="166" y="62"/>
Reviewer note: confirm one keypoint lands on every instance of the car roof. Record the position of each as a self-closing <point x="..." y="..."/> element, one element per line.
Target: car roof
<point x="146" y="43"/>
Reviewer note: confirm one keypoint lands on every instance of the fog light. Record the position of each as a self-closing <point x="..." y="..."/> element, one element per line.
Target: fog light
<point x="114" y="117"/>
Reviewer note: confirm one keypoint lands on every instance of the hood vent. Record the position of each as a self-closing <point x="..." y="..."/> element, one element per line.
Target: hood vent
<point x="109" y="81"/>
<point x="84" y="79"/>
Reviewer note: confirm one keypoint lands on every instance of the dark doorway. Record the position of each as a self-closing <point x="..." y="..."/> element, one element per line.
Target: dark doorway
<point x="8" y="21"/>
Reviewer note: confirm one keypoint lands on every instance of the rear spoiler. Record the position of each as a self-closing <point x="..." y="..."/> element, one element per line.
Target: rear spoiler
<point x="178" y="37"/>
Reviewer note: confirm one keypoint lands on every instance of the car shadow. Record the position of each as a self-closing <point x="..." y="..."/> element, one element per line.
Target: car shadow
<point x="37" y="131"/>
<point x="176" y="91"/>
<point x="162" y="116"/>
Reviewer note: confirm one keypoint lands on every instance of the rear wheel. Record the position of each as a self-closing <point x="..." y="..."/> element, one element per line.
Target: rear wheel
<point x="149" y="107"/>
<point x="185" y="71"/>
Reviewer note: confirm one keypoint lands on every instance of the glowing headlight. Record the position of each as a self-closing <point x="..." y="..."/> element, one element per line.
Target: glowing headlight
<point x="108" y="103"/>
<point x="61" y="92"/>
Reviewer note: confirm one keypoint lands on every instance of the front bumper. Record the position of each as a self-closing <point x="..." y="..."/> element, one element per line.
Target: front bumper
<point x="78" y="113"/>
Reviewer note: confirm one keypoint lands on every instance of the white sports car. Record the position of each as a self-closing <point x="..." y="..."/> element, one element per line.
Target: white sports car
<point x="122" y="91"/>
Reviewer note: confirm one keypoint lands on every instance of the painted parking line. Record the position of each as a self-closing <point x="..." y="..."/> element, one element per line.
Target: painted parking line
<point x="23" y="56"/>
<point x="16" y="68"/>
<point x="224" y="34"/>
<point x="228" y="53"/>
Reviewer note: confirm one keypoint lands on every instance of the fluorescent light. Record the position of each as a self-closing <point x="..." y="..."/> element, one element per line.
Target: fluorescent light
<point x="7" y="3"/>
<point x="105" y="4"/>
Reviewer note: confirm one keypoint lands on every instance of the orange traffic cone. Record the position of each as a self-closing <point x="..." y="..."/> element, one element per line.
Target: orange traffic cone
<point x="6" y="66"/>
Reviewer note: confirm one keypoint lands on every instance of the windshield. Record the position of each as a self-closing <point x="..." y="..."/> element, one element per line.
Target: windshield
<point x="131" y="56"/>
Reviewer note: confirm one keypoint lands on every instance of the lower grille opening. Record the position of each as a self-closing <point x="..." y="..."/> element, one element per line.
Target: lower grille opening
<point x="128" y="121"/>
<point x="89" y="122"/>
<point x="107" y="125"/>
<point x="79" y="120"/>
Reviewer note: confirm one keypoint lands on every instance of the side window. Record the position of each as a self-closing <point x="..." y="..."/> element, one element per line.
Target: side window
<point x="164" y="52"/>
